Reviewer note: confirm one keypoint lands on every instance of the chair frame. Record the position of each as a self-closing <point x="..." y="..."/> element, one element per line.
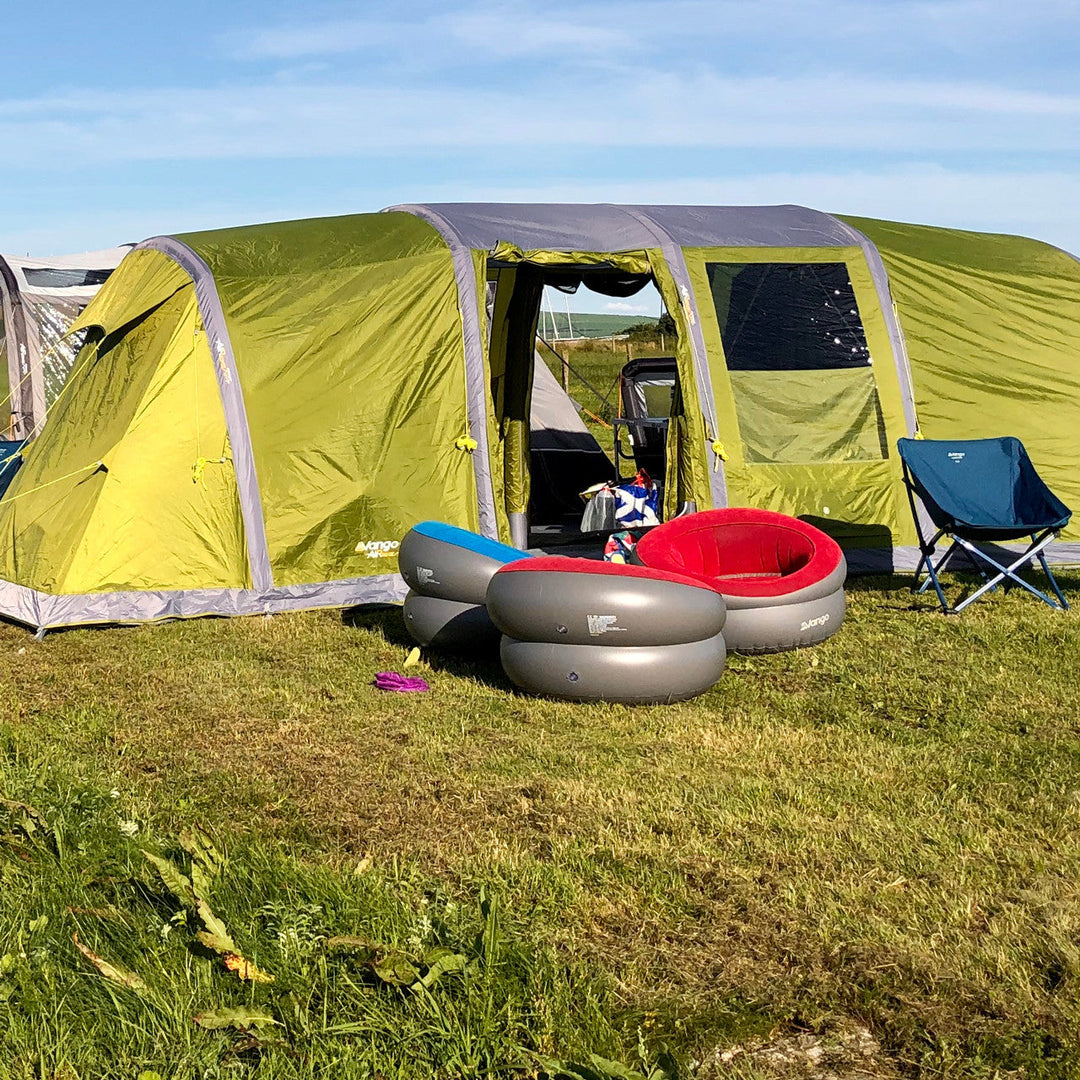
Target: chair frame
<point x="1005" y="575"/>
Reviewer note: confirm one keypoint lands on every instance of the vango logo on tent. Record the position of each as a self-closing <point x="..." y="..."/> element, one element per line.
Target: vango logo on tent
<point x="378" y="549"/>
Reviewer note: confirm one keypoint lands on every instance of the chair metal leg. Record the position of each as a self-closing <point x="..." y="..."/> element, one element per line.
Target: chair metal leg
<point x="1009" y="573"/>
<point x="932" y="574"/>
<point x="1053" y="582"/>
<point x="926" y="551"/>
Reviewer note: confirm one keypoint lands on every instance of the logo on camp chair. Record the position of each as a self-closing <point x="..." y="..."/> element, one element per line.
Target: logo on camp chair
<point x="957" y="457"/>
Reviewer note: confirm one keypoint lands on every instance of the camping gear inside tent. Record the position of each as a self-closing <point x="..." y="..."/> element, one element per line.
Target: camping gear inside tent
<point x="40" y="299"/>
<point x="259" y="414"/>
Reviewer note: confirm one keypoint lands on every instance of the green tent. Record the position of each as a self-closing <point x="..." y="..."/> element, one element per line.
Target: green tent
<point x="259" y="414"/>
<point x="992" y="326"/>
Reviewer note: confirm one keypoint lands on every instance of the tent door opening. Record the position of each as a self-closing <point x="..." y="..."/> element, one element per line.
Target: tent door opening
<point x="550" y="453"/>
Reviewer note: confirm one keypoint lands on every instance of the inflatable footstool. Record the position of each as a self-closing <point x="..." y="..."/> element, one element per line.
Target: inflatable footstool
<point x="589" y="631"/>
<point x="447" y="570"/>
<point x="782" y="579"/>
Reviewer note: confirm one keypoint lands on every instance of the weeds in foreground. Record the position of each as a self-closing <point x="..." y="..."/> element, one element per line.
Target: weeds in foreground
<point x="880" y="835"/>
<point x="123" y="956"/>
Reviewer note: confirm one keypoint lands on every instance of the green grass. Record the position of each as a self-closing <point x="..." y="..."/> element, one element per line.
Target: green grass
<point x="589" y="325"/>
<point x="882" y="831"/>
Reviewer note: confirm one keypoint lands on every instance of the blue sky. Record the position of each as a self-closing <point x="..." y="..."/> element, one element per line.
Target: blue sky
<point x="121" y="120"/>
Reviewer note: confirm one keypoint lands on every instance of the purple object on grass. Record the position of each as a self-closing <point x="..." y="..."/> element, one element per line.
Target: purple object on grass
<point x="401" y="684"/>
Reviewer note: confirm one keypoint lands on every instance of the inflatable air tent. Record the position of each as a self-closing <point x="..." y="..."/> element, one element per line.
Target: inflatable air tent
<point x="40" y="300"/>
<point x="259" y="414"/>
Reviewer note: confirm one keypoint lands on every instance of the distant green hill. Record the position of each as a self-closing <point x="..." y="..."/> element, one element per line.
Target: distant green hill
<point x="584" y="324"/>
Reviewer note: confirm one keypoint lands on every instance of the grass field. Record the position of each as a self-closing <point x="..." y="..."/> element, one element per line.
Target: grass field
<point x="871" y="844"/>
<point x="556" y="325"/>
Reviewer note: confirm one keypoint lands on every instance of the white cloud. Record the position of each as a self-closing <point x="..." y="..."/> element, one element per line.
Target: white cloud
<point x="623" y="307"/>
<point x="499" y="31"/>
<point x="319" y="39"/>
<point x="842" y="31"/>
<point x="513" y="32"/>
<point x="659" y="110"/>
<point x="917" y="109"/>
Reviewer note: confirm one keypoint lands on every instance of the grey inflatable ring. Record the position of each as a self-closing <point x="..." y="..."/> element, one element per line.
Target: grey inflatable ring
<point x="590" y="603"/>
<point x="447" y="624"/>
<point x="777" y="627"/>
<point x="442" y="560"/>
<point x="640" y="675"/>
<point x="782" y="578"/>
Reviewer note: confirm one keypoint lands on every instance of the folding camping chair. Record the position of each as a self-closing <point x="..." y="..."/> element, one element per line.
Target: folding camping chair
<point x="647" y="389"/>
<point x="979" y="492"/>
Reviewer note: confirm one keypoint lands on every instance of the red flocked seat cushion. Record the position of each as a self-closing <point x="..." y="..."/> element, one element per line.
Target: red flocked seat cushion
<point x="548" y="563"/>
<point x="741" y="551"/>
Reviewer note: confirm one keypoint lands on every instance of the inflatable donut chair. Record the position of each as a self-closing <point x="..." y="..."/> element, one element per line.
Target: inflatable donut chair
<point x="447" y="570"/>
<point x="595" y="631"/>
<point x="782" y="579"/>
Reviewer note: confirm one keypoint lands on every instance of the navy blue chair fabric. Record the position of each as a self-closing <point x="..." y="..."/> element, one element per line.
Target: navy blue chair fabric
<point x="982" y="491"/>
<point x="985" y="488"/>
<point x="10" y="461"/>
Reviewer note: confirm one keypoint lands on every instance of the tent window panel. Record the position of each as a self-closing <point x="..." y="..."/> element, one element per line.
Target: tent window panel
<point x="809" y="417"/>
<point x="787" y="316"/>
<point x="44" y="277"/>
<point x="801" y="370"/>
<point x="58" y="348"/>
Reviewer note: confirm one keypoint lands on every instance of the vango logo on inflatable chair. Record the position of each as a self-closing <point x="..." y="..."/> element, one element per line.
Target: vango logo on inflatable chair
<point x="821" y="620"/>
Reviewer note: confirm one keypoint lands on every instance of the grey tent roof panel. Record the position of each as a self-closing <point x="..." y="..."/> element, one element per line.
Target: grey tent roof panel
<point x="749" y="226"/>
<point x="548" y="226"/>
<point x="606" y="227"/>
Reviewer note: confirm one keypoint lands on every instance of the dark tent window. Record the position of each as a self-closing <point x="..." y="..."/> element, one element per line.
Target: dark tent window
<point x="48" y="278"/>
<point x="787" y="316"/>
<point x="800" y="368"/>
